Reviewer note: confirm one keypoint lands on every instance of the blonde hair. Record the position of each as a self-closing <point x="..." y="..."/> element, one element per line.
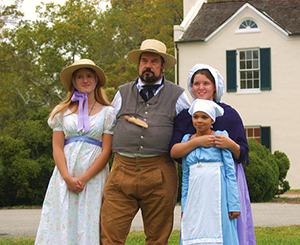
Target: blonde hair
<point x="99" y="95"/>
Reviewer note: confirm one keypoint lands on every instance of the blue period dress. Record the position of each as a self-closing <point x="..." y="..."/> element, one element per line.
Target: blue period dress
<point x="68" y="217"/>
<point x="232" y="123"/>
<point x="209" y="193"/>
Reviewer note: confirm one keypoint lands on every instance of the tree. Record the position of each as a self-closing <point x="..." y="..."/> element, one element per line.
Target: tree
<point x="127" y="24"/>
<point x="10" y="14"/>
<point x="33" y="54"/>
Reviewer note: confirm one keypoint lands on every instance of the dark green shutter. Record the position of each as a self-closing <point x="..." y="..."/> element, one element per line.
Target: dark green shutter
<point x="265" y="137"/>
<point x="231" y="70"/>
<point x="265" y="69"/>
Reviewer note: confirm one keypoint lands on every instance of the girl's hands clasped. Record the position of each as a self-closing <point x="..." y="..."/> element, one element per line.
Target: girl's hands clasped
<point x="222" y="141"/>
<point x="74" y="184"/>
<point x="205" y="141"/>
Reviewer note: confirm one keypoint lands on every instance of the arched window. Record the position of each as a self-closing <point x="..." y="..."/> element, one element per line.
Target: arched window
<point x="247" y="25"/>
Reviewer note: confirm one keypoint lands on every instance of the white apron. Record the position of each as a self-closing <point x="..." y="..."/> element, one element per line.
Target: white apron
<point x="201" y="222"/>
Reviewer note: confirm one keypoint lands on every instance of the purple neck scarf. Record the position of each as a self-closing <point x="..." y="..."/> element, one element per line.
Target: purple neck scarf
<point x="83" y="111"/>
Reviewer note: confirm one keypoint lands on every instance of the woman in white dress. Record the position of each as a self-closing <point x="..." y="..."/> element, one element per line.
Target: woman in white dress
<point x="82" y="137"/>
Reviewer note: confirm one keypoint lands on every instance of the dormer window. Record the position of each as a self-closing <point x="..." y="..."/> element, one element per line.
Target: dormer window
<point x="247" y="25"/>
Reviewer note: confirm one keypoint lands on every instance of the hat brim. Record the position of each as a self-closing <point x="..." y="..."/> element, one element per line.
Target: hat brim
<point x="66" y="74"/>
<point x="134" y="56"/>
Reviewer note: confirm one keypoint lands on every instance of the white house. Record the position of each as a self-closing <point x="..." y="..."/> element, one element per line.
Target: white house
<point x="255" y="45"/>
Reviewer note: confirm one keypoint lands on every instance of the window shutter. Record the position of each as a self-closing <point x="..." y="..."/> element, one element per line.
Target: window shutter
<point x="265" y="68"/>
<point x="265" y="137"/>
<point x="231" y="70"/>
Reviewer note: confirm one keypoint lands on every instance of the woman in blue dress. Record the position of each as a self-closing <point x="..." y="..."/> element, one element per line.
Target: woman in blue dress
<point x="205" y="82"/>
<point x="210" y="201"/>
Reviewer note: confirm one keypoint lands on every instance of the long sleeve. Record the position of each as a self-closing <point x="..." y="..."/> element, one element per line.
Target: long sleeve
<point x="185" y="183"/>
<point x="231" y="182"/>
<point x="182" y="125"/>
<point x="185" y="178"/>
<point x="232" y="123"/>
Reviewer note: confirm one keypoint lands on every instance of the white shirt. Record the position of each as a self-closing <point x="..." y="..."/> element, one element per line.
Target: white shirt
<point x="181" y="103"/>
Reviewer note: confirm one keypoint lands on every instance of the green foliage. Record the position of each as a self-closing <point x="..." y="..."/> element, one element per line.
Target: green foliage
<point x="9" y="14"/>
<point x="110" y="93"/>
<point x="263" y="173"/>
<point x="32" y="55"/>
<point x="126" y="24"/>
<point x="26" y="161"/>
<point x="261" y="178"/>
<point x="284" y="165"/>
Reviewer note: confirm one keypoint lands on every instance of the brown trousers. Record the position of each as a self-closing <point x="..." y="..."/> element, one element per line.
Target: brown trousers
<point x="147" y="183"/>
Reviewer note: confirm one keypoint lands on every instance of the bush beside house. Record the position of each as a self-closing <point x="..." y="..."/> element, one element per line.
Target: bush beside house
<point x="266" y="172"/>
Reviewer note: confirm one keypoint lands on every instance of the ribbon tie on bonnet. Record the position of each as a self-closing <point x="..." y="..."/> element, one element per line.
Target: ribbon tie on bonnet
<point x="83" y="111"/>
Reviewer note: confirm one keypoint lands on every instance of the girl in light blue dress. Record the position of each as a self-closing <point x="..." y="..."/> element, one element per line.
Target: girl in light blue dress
<point x="210" y="201"/>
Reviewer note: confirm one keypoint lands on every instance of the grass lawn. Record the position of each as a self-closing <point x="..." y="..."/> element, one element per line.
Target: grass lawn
<point x="282" y="235"/>
<point x="293" y="191"/>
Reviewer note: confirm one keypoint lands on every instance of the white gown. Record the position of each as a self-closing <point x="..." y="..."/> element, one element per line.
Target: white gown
<point x="68" y="217"/>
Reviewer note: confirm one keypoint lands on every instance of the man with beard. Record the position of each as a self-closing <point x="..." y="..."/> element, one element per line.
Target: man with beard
<point x="143" y="175"/>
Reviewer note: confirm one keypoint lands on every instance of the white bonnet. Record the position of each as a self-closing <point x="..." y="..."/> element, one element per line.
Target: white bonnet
<point x="219" y="80"/>
<point x="210" y="107"/>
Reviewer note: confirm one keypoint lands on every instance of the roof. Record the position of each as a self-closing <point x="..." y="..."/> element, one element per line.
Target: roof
<point x="284" y="13"/>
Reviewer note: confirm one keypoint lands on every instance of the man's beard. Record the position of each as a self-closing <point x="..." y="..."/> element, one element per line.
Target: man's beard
<point x="149" y="79"/>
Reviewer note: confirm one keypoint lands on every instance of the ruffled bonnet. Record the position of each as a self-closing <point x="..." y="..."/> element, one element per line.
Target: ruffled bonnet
<point x="219" y="80"/>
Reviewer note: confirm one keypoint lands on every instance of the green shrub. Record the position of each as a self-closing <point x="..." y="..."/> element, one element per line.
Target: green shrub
<point x="284" y="165"/>
<point x="26" y="161"/>
<point x="265" y="173"/>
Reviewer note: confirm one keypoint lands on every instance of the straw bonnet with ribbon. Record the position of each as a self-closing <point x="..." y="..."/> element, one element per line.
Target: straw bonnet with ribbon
<point x="210" y="107"/>
<point x="66" y="78"/>
<point x="66" y="74"/>
<point x="152" y="46"/>
<point x="219" y="80"/>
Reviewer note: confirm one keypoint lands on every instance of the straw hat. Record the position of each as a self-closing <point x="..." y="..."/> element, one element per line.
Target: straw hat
<point x="66" y="74"/>
<point x="152" y="46"/>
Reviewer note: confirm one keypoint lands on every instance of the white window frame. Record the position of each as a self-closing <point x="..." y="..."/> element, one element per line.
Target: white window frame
<point x="258" y="139"/>
<point x="239" y="70"/>
<point x="248" y="29"/>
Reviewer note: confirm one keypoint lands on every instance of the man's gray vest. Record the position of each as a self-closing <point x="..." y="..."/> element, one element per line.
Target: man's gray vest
<point x="159" y="113"/>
